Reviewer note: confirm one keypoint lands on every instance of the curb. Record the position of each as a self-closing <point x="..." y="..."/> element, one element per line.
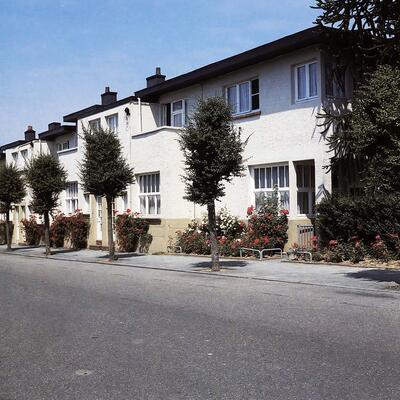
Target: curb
<point x="215" y="274"/>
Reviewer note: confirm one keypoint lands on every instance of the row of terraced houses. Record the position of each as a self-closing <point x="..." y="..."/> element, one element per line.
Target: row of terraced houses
<point x="276" y="92"/>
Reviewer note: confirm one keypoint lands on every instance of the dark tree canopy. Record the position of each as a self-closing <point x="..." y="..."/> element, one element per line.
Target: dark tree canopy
<point x="367" y="31"/>
<point x="12" y="188"/>
<point x="104" y="171"/>
<point x="375" y="129"/>
<point x="46" y="178"/>
<point x="212" y="149"/>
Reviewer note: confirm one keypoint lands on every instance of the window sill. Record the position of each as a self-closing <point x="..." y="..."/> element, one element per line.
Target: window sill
<point x="298" y="101"/>
<point x="71" y="150"/>
<point x="246" y="115"/>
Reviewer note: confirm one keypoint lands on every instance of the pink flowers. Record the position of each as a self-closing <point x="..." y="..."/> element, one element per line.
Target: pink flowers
<point x="284" y="212"/>
<point x="128" y="210"/>
<point x="266" y="239"/>
<point x="333" y="243"/>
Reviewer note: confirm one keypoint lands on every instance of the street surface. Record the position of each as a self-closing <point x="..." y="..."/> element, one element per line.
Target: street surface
<point x="81" y="330"/>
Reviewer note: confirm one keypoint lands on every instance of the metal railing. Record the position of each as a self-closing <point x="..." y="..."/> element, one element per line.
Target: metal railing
<point x="259" y="252"/>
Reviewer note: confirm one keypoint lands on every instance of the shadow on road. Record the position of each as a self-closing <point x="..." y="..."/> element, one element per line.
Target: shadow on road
<point x="380" y="275"/>
<point x="224" y="264"/>
<point x="124" y="255"/>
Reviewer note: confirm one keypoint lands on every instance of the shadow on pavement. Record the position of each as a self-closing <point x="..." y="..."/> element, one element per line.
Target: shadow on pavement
<point x="123" y="255"/>
<point x="224" y="264"/>
<point x="63" y="251"/>
<point x="380" y="275"/>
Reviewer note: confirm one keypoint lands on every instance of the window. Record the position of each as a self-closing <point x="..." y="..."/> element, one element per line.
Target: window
<point x="306" y="81"/>
<point x="71" y="197"/>
<point x="63" y="146"/>
<point x="305" y="174"/>
<point x="112" y="122"/>
<point x="24" y="154"/>
<point x="15" y="156"/>
<point x="178" y="113"/>
<point x="86" y="197"/>
<point x="335" y="80"/>
<point x="244" y="97"/>
<point x="149" y="194"/>
<point x="124" y="198"/>
<point x="266" y="179"/>
<point x="94" y="124"/>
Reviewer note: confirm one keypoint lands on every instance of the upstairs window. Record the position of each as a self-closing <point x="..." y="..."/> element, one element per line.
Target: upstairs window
<point x="94" y="124"/>
<point x="244" y="97"/>
<point x="335" y="80"/>
<point x="63" y="146"/>
<point x="149" y="194"/>
<point x="71" y="197"/>
<point x="24" y="154"/>
<point x="112" y="122"/>
<point x="178" y="113"/>
<point x="306" y="80"/>
<point x="15" y="156"/>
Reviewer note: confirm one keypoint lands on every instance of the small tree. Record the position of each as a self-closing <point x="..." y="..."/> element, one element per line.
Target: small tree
<point x="46" y="178"/>
<point x="104" y="171"/>
<point x="213" y="150"/>
<point x="12" y="191"/>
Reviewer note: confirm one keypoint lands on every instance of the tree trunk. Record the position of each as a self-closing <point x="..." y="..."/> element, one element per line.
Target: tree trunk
<point x="111" y="246"/>
<point x="213" y="237"/>
<point x="47" y="232"/>
<point x="8" y="229"/>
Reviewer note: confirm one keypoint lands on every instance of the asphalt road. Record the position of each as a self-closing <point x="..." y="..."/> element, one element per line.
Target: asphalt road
<point x="82" y="331"/>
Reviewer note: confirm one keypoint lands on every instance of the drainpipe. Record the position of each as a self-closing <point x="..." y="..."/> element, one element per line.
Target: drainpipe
<point x="140" y="115"/>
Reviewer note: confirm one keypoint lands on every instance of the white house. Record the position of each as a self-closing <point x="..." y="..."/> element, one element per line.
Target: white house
<point x="276" y="92"/>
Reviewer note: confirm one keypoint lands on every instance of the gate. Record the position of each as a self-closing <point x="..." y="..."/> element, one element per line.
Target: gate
<point x="304" y="236"/>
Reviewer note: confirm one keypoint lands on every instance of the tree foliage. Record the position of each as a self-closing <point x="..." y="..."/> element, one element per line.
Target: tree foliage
<point x="375" y="130"/>
<point x="213" y="153"/>
<point x="46" y="178"/>
<point x="104" y="171"/>
<point x="212" y="149"/>
<point x="12" y="191"/>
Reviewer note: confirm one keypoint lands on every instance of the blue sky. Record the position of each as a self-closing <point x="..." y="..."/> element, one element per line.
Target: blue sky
<point x="58" y="55"/>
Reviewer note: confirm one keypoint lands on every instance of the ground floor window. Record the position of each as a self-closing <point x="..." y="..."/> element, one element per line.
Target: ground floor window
<point x="267" y="178"/>
<point x="149" y="194"/>
<point x="305" y="174"/>
<point x="71" y="197"/>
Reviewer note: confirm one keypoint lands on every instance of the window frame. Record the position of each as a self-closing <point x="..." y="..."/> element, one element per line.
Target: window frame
<point x="310" y="189"/>
<point x="182" y="112"/>
<point x="72" y="197"/>
<point x="111" y="117"/>
<point x="251" y="95"/>
<point x="146" y="195"/>
<point x="95" y="122"/>
<point x="307" y="77"/>
<point x="281" y="189"/>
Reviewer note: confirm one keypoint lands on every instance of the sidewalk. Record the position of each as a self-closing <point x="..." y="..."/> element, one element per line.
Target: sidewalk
<point x="272" y="270"/>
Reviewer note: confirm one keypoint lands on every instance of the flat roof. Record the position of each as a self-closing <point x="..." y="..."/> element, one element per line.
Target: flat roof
<point x="304" y="38"/>
<point x="96" y="108"/>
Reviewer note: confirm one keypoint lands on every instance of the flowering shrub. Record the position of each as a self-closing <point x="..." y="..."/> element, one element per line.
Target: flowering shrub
<point x="194" y="239"/>
<point x="379" y="250"/>
<point x="58" y="230"/>
<point x="77" y="230"/>
<point x="132" y="232"/>
<point x="33" y="231"/>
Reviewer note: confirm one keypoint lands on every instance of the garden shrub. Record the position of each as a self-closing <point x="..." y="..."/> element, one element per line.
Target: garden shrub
<point x="132" y="232"/>
<point x="58" y="230"/>
<point x="194" y="239"/>
<point x="33" y="231"/>
<point x="3" y="232"/>
<point x="78" y="230"/>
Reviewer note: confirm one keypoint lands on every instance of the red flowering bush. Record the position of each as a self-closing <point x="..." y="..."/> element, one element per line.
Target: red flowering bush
<point x="58" y="230"/>
<point x="33" y="231"/>
<point x="132" y="232"/>
<point x="379" y="250"/>
<point x="78" y="230"/>
<point x="194" y="239"/>
<point x="267" y="225"/>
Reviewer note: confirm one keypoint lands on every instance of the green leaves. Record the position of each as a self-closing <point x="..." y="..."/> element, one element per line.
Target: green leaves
<point x="12" y="189"/>
<point x="104" y="171"/>
<point x="212" y="149"/>
<point x="46" y="178"/>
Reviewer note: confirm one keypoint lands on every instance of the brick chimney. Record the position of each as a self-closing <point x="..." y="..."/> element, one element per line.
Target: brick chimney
<point x="155" y="79"/>
<point x="30" y="134"/>
<point x="53" y="125"/>
<point x="108" y="97"/>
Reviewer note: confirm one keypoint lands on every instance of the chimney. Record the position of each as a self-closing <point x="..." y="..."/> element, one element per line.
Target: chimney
<point x="108" y="97"/>
<point x="30" y="134"/>
<point x="54" y="125"/>
<point x="155" y="79"/>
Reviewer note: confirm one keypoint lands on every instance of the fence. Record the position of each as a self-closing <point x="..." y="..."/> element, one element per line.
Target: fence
<point x="304" y="236"/>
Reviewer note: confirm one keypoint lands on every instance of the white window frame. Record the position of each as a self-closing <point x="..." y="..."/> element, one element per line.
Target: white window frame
<point x="63" y="146"/>
<point x="25" y="155"/>
<point x="124" y="199"/>
<point x="285" y="189"/>
<point x="182" y="111"/>
<point x="95" y="123"/>
<point x="307" y="66"/>
<point x="237" y="85"/>
<point x="310" y="189"/>
<point x="110" y="118"/>
<point x="15" y="156"/>
<point x="71" y="197"/>
<point x="146" y="195"/>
